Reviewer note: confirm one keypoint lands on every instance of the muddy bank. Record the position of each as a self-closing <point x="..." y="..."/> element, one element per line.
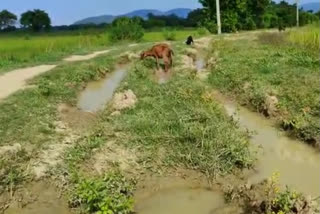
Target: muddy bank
<point x="297" y="163"/>
<point x="38" y="198"/>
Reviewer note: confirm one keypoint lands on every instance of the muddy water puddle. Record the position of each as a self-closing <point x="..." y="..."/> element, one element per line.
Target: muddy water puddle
<point x="97" y="94"/>
<point x="181" y="200"/>
<point x="176" y="195"/>
<point x="43" y="199"/>
<point x="297" y="162"/>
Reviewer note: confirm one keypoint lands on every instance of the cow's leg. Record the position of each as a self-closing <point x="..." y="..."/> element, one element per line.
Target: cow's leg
<point x="158" y="66"/>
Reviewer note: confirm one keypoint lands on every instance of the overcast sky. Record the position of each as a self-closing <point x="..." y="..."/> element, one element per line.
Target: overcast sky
<point x="69" y="11"/>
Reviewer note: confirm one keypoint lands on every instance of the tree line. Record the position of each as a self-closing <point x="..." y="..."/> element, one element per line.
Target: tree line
<point x="235" y="15"/>
<point x="35" y="20"/>
<point x="253" y="14"/>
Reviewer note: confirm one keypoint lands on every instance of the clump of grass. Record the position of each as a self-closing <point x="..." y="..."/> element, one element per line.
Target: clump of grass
<point x="170" y="34"/>
<point x="307" y="37"/>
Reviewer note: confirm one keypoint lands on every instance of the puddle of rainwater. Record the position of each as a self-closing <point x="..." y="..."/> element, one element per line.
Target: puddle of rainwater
<point x="47" y="202"/>
<point x="97" y="94"/>
<point x="181" y="200"/>
<point x="297" y="162"/>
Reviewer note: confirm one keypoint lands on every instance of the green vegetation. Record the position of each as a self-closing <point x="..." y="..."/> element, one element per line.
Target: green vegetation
<point x="126" y="29"/>
<point x="112" y="193"/>
<point x="252" y="14"/>
<point x="170" y="35"/>
<point x="256" y="71"/>
<point x="307" y="37"/>
<point x="184" y="120"/>
<point x="35" y="20"/>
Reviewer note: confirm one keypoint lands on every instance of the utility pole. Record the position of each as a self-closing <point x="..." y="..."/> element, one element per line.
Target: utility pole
<point x="297" y="3"/>
<point x="218" y="16"/>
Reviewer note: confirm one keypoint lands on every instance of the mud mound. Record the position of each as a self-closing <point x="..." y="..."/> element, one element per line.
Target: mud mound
<point x="270" y="105"/>
<point x="124" y="100"/>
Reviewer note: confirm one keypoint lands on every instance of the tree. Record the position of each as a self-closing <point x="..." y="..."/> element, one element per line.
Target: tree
<point x="196" y="17"/>
<point x="35" y="20"/>
<point x="7" y="19"/>
<point x="231" y="11"/>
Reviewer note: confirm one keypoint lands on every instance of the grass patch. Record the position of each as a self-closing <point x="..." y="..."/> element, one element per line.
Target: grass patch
<point x="177" y="116"/>
<point x="254" y="70"/>
<point x="307" y="37"/>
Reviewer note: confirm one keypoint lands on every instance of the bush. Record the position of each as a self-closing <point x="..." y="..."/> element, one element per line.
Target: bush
<point x="126" y="29"/>
<point x="211" y="26"/>
<point x="170" y="35"/>
<point x="201" y="31"/>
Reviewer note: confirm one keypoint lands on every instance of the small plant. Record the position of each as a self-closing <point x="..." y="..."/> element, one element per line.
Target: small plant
<point x="170" y="35"/>
<point x="111" y="194"/>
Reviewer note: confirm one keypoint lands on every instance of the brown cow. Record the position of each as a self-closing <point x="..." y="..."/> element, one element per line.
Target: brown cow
<point x="160" y="51"/>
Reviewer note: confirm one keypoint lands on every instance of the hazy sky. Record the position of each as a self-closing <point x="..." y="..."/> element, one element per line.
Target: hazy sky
<point x="69" y="11"/>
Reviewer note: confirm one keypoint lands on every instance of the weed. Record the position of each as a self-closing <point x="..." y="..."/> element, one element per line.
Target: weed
<point x="112" y="193"/>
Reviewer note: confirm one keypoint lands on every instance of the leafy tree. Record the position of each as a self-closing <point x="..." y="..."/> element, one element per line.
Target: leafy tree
<point x="196" y="17"/>
<point x="35" y="20"/>
<point x="7" y="19"/>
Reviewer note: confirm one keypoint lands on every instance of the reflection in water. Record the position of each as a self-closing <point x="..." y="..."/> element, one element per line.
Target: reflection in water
<point x="297" y="162"/>
<point x="98" y="93"/>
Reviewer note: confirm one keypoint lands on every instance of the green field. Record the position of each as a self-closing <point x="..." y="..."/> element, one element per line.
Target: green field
<point x="22" y="50"/>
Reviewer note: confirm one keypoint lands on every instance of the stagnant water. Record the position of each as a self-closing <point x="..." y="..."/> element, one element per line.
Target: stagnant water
<point x="99" y="93"/>
<point x="297" y="162"/>
<point x="181" y="200"/>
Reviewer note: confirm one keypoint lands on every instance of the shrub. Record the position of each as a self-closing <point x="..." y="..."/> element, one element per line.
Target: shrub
<point x="170" y="35"/>
<point x="201" y="31"/>
<point x="126" y="29"/>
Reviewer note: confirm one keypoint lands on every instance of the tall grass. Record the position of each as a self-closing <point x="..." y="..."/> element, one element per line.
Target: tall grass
<point x="307" y="36"/>
<point x="15" y="50"/>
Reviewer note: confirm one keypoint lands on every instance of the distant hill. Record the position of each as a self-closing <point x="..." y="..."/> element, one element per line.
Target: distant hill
<point x="314" y="6"/>
<point x="180" y="12"/>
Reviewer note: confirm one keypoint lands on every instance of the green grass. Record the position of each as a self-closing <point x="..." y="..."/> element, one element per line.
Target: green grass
<point x="178" y="117"/>
<point x="17" y="50"/>
<point x="307" y="37"/>
<point x="273" y="67"/>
